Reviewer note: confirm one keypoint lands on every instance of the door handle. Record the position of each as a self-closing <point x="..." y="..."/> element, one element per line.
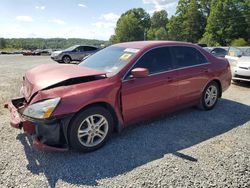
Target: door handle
<point x="206" y="70"/>
<point x="170" y="79"/>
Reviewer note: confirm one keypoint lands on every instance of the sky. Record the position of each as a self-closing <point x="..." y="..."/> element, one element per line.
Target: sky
<point x="89" y="19"/>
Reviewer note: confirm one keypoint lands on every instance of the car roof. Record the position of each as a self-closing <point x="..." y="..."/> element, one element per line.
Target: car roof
<point x="88" y="46"/>
<point x="151" y="44"/>
<point x="78" y="45"/>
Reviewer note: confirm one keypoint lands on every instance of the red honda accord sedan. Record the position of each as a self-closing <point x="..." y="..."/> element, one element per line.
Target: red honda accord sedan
<point x="78" y="107"/>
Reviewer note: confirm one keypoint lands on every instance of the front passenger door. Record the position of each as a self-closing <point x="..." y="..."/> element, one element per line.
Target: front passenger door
<point x="147" y="97"/>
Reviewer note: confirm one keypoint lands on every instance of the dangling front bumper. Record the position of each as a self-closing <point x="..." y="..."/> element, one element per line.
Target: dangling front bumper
<point x="48" y="136"/>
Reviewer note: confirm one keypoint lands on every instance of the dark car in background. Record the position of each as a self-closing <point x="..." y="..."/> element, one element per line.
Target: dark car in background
<point x="218" y="51"/>
<point x="74" y="53"/>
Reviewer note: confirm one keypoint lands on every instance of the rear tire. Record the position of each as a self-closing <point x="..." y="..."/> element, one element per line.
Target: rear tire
<point x="90" y="129"/>
<point x="209" y="96"/>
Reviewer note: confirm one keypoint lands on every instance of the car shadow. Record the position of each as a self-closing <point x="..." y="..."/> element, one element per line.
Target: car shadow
<point x="137" y="145"/>
<point x="242" y="84"/>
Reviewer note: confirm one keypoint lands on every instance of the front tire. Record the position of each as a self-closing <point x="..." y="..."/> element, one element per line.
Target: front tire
<point x="209" y="96"/>
<point x="90" y="129"/>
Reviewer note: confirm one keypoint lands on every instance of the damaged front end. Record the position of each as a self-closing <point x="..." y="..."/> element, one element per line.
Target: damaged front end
<point x="48" y="134"/>
<point x="52" y="94"/>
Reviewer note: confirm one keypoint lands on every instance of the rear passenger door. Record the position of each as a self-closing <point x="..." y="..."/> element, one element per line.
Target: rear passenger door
<point x="193" y="73"/>
<point x="81" y="53"/>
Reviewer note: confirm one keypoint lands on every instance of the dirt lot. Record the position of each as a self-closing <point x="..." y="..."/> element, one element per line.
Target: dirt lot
<point x="190" y="148"/>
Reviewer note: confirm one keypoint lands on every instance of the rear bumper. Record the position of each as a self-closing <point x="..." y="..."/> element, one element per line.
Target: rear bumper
<point x="47" y="135"/>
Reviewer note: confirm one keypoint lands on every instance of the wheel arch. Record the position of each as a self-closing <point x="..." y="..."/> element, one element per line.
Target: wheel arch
<point x="105" y="105"/>
<point x="66" y="55"/>
<point x="219" y="84"/>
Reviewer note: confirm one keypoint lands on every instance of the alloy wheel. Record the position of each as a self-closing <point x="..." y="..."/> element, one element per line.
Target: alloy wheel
<point x="211" y="95"/>
<point x="93" y="130"/>
<point x="66" y="59"/>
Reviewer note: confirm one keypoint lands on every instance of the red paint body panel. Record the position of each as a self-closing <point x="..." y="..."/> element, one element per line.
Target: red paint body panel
<point x="29" y="128"/>
<point x="146" y="97"/>
<point x="76" y="97"/>
<point x="132" y="100"/>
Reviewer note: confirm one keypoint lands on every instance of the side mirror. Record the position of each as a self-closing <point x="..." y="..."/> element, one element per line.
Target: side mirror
<point x="239" y="56"/>
<point x="139" y="73"/>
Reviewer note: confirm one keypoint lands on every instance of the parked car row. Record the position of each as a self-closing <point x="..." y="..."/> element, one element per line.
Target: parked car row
<point x="10" y="52"/>
<point x="239" y="59"/>
<point x="37" y="52"/>
<point x="28" y="52"/>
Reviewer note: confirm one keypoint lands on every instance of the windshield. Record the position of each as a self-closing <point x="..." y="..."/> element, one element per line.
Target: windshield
<point x="111" y="59"/>
<point x="71" y="48"/>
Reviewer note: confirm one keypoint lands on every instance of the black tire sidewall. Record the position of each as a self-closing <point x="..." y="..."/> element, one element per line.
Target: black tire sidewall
<point x="203" y="103"/>
<point x="74" y="143"/>
<point x="65" y="57"/>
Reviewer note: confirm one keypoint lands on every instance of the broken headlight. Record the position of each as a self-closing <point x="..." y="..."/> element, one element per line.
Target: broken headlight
<point x="41" y="110"/>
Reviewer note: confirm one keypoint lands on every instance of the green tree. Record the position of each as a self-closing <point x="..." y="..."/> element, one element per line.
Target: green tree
<point x="226" y="22"/>
<point x="239" y="42"/>
<point x="131" y="26"/>
<point x="54" y="43"/>
<point x="2" y="43"/>
<point x="158" y="29"/>
<point x="189" y="22"/>
<point x="246" y="15"/>
<point x="159" y="19"/>
<point x="205" y="7"/>
<point x="193" y="24"/>
<point x="175" y="28"/>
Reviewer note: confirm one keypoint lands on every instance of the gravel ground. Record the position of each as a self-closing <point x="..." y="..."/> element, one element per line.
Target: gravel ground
<point x="190" y="148"/>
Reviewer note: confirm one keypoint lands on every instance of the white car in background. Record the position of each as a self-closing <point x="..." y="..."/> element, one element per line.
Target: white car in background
<point x="239" y="59"/>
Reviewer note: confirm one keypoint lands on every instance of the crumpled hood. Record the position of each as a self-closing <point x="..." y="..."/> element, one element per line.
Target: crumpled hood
<point x="47" y="75"/>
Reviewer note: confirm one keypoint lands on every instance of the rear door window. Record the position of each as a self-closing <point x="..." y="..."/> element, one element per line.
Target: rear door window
<point x="89" y="48"/>
<point x="185" y="56"/>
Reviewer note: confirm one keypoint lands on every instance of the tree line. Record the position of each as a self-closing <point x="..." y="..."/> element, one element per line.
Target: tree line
<point x="213" y="22"/>
<point x="40" y="43"/>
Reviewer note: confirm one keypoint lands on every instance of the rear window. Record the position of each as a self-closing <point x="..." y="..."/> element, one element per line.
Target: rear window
<point x="188" y="56"/>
